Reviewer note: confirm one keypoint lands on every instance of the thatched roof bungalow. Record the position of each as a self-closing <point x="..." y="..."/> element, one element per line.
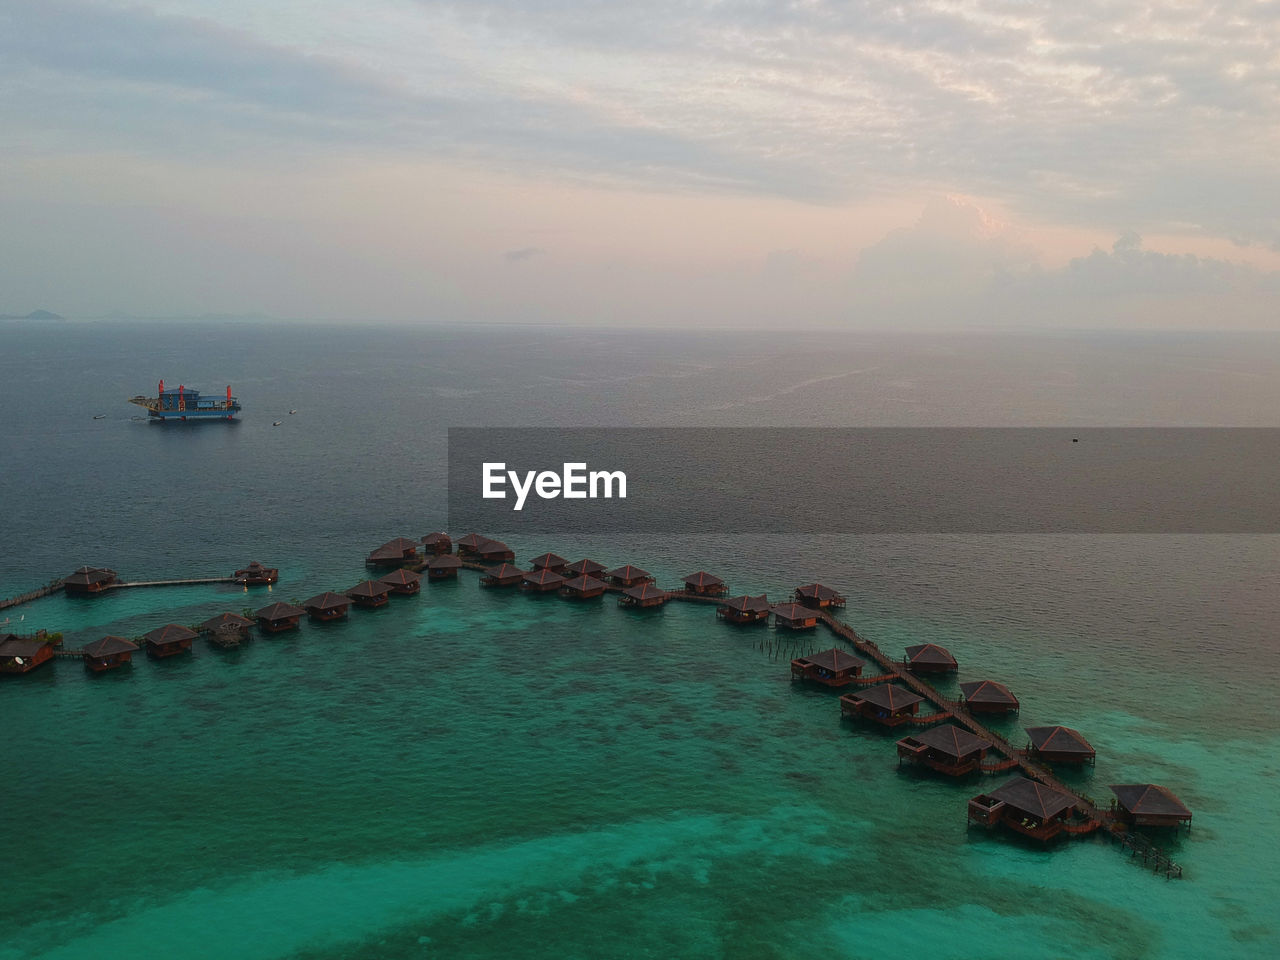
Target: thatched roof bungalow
<point x="830" y="668"/>
<point x="948" y="749"/>
<point x="108" y="653"/>
<point x="887" y="704"/>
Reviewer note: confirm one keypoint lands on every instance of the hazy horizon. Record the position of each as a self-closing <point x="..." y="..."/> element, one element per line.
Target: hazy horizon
<point x="964" y="164"/>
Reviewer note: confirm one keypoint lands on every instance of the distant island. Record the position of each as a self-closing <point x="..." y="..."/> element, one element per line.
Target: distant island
<point x="33" y="315"/>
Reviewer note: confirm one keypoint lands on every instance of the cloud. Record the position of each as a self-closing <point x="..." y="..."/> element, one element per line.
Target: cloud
<point x="958" y="266"/>
<point x="1160" y="116"/>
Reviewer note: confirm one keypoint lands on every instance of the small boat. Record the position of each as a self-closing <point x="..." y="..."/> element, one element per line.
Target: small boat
<point x="99" y="416"/>
<point x="277" y="423"/>
<point x="292" y="412"/>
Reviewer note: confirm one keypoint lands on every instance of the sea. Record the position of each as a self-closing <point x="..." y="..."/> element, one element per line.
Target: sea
<point x="480" y="773"/>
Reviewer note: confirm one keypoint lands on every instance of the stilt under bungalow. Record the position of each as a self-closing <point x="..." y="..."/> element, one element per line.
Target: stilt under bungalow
<point x="830" y="668"/>
<point x="887" y="704"/>
<point x="947" y="749"/>
<point x="108" y="653"/>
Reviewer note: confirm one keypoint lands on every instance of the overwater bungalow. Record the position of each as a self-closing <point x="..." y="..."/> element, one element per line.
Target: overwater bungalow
<point x="23" y="654"/>
<point x="168" y="641"/>
<point x="494" y="551"/>
<point x="327" y="606"/>
<point x="930" y="658"/>
<point x="108" y="653"/>
<point x="468" y="545"/>
<point x="436" y="543"/>
<point x="744" y="609"/>
<point x="988" y="696"/>
<point x="89" y="580"/>
<point x="643" y="595"/>
<point x="503" y="575"/>
<point x="393" y="553"/>
<point x="582" y="588"/>
<point x="1149" y="805"/>
<point x="794" y="616"/>
<point x="402" y="581"/>
<point x="628" y="576"/>
<point x="1059" y="745"/>
<point x="887" y="704"/>
<point x="279" y="617"/>
<point x="227" y="629"/>
<point x="705" y="584"/>
<point x="1024" y="806"/>
<point x="256" y="575"/>
<point x="550" y="561"/>
<point x="948" y="749"/>
<point x="370" y="593"/>
<point x="818" y="596"/>
<point x="541" y="581"/>
<point x="583" y="568"/>
<point x="831" y="668"/>
<point x="443" y="567"/>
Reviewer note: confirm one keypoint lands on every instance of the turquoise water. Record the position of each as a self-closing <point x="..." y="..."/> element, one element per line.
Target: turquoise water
<point x="475" y="773"/>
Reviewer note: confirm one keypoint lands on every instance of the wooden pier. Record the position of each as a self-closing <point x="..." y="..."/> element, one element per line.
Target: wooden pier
<point x="52" y="587"/>
<point x="197" y="581"/>
<point x="961" y="715"/>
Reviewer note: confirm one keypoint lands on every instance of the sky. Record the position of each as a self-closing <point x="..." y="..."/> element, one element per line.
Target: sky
<point x="937" y="164"/>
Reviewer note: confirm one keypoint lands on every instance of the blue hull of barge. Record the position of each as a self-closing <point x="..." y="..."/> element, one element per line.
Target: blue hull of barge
<point x="158" y="416"/>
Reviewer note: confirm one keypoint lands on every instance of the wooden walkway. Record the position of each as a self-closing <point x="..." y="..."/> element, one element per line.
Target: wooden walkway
<point x="961" y="715"/>
<point x="171" y="583"/>
<point x="56" y="586"/>
<point x="1152" y="856"/>
<point x="30" y="595"/>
